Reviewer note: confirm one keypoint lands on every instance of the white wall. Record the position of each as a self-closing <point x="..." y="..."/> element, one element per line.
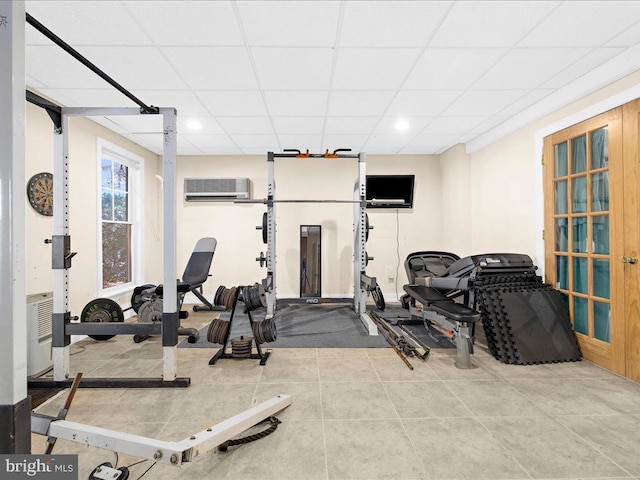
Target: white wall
<point x="83" y="203"/>
<point x="239" y="243"/>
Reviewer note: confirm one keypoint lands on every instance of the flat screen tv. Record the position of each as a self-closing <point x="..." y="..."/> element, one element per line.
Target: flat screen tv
<point x="390" y="191"/>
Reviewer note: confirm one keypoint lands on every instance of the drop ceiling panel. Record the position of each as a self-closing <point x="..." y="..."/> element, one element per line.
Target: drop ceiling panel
<point x="97" y="98"/>
<point x="208" y="23"/>
<point x="592" y="60"/>
<point x="184" y="101"/>
<point x="222" y="150"/>
<point x="490" y="24"/>
<point x="526" y="101"/>
<point x="245" y="125"/>
<point x="293" y="68"/>
<point x="429" y="143"/>
<point x="213" y="68"/>
<point x="387" y="125"/>
<point x="387" y="142"/>
<point x="390" y="23"/>
<point x="350" y="125"/>
<point x="451" y="68"/>
<point x="453" y="125"/>
<point x="57" y="69"/>
<point x="294" y="103"/>
<point x="301" y="142"/>
<point x="208" y="125"/>
<point x="483" y="102"/>
<point x="282" y="23"/>
<point x="232" y="103"/>
<point x="140" y="123"/>
<point x="354" y="142"/>
<point x="489" y="124"/>
<point x="111" y="125"/>
<point x="584" y="24"/>
<point x="86" y="23"/>
<point x="209" y="141"/>
<point x="631" y="36"/>
<point x="373" y="68"/>
<point x="293" y="125"/>
<point x="268" y="142"/>
<point x="422" y="103"/>
<point x="188" y="150"/>
<point x="359" y="103"/>
<point x="151" y="139"/>
<point x="528" y="68"/>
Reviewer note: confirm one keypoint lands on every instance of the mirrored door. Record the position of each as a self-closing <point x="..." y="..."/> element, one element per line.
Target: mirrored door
<point x="310" y="261"/>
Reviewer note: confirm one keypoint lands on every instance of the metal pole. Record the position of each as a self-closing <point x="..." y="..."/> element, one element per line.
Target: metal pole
<point x="271" y="234"/>
<point x="15" y="405"/>
<point x="170" y="320"/>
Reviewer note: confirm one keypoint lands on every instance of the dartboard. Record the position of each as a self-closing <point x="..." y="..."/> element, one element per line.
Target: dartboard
<point x="40" y="193"/>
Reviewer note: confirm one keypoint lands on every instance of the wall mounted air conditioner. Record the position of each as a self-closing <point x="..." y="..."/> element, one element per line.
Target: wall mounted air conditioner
<point x="216" y="189"/>
<point x="39" y="311"/>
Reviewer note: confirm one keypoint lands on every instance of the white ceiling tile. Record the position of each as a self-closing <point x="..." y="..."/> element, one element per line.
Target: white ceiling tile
<point x="387" y="124"/>
<point x="135" y="67"/>
<point x="282" y="23"/>
<point x="631" y="36"/>
<point x="207" y="23"/>
<point x="293" y="103"/>
<point x="110" y="124"/>
<point x="232" y="103"/>
<point x="584" y="24"/>
<point x="221" y="150"/>
<point x="57" y="69"/>
<point x="362" y="103"/>
<point x="350" y="125"/>
<point x="245" y="125"/>
<point x="140" y="123"/>
<point x="483" y="102"/>
<point x="490" y="24"/>
<point x="208" y="125"/>
<point x="390" y="23"/>
<point x="373" y="68"/>
<point x="528" y="68"/>
<point x="87" y="22"/>
<point x="56" y="96"/>
<point x="34" y="83"/>
<point x="393" y="141"/>
<point x="426" y="103"/>
<point x="592" y="60"/>
<point x="451" y="68"/>
<point x="293" y="68"/>
<point x="268" y="142"/>
<point x="453" y="125"/>
<point x="213" y="68"/>
<point x="301" y="142"/>
<point x="526" y="101"/>
<point x="489" y="124"/>
<point x="188" y="150"/>
<point x="204" y="141"/>
<point x="147" y="139"/>
<point x="98" y="97"/>
<point x="354" y="142"/>
<point x="293" y="125"/>
<point x="184" y="101"/>
<point x="429" y="144"/>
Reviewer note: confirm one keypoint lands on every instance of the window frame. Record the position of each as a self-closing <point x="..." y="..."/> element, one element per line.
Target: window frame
<point x="135" y="164"/>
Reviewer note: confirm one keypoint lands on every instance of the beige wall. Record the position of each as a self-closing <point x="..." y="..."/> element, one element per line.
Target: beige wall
<point x="239" y="243"/>
<point x="83" y="204"/>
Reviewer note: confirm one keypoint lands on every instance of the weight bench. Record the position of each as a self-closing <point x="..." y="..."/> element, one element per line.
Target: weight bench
<point x="148" y="298"/>
<point x="436" y="305"/>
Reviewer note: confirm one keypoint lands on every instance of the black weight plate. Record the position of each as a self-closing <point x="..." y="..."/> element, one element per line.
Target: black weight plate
<point x="102" y="310"/>
<point x="378" y="298"/>
<point x="366" y="219"/>
<point x="136" y="301"/>
<point x="265" y="226"/>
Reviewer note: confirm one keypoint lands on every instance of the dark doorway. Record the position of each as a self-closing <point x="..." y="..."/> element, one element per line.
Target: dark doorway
<point x="310" y="265"/>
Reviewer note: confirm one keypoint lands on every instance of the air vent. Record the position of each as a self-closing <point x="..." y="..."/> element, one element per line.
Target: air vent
<point x="216" y="189"/>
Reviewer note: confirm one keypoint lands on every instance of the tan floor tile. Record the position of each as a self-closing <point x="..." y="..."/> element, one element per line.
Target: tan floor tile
<point x="305" y="399"/>
<point x="347" y="369"/>
<point x="393" y="369"/>
<point x="355" y="401"/>
<point x="424" y="400"/>
<point x="490" y="398"/>
<point x="445" y="369"/>
<point x="213" y="403"/>
<point x="289" y="370"/>
<point x="341" y="352"/>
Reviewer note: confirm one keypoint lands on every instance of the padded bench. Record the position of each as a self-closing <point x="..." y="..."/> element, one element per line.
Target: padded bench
<point x="439" y="303"/>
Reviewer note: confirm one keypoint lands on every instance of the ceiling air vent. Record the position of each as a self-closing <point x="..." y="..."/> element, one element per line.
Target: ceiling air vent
<point x="216" y="189"/>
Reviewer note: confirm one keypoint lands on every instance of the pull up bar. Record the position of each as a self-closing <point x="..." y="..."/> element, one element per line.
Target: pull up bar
<point x="144" y="108"/>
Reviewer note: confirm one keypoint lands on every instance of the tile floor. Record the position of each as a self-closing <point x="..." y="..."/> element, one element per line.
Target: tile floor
<point x="362" y="414"/>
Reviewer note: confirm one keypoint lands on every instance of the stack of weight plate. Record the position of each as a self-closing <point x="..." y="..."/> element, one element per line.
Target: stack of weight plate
<point x="525" y="321"/>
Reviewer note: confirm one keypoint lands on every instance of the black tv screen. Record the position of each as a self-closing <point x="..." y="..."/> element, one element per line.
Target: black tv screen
<point x="390" y="191"/>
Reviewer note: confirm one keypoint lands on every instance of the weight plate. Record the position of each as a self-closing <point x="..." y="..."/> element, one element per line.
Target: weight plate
<point x="136" y="296"/>
<point x="265" y="226"/>
<point x="151" y="311"/>
<point x="102" y="310"/>
<point x="366" y="228"/>
<point x="217" y="331"/>
<point x="378" y="297"/>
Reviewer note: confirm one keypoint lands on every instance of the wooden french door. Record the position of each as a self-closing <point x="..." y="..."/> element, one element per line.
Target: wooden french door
<point x="585" y="233"/>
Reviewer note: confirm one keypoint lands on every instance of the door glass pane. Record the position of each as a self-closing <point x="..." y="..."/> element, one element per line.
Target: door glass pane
<point x="580" y="275"/>
<point x="600" y="192"/>
<point x="601" y="278"/>
<point x="579" y="194"/>
<point x="599" y="148"/>
<point x="562" y="231"/>
<point x="601" y="234"/>
<point x="561" y="197"/>
<point x="578" y="154"/>
<point x="580" y="315"/>
<point x="579" y="234"/>
<point x="561" y="159"/>
<point x="562" y="273"/>
<point x="601" y="321"/>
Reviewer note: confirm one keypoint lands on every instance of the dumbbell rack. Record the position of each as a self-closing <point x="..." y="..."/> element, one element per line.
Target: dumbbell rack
<point x="222" y="352"/>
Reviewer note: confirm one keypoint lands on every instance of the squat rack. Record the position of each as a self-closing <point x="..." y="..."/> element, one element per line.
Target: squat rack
<point x="361" y="281"/>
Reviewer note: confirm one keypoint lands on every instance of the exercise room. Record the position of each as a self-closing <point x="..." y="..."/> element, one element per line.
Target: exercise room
<point x="332" y="240"/>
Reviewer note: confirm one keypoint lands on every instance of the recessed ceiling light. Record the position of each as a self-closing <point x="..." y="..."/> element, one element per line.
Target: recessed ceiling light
<point x="401" y="125"/>
<point x="194" y="125"/>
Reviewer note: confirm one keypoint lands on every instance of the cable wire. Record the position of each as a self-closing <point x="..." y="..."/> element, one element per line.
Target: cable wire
<point x="145" y="472"/>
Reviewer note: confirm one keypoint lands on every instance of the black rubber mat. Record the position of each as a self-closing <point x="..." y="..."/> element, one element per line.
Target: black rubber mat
<point x="540" y="327"/>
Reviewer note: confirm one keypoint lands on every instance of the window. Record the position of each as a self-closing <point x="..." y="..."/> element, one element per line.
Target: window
<point x="119" y="226"/>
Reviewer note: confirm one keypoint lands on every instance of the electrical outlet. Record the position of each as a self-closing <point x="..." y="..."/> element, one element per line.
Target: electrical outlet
<point x="391" y="274"/>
